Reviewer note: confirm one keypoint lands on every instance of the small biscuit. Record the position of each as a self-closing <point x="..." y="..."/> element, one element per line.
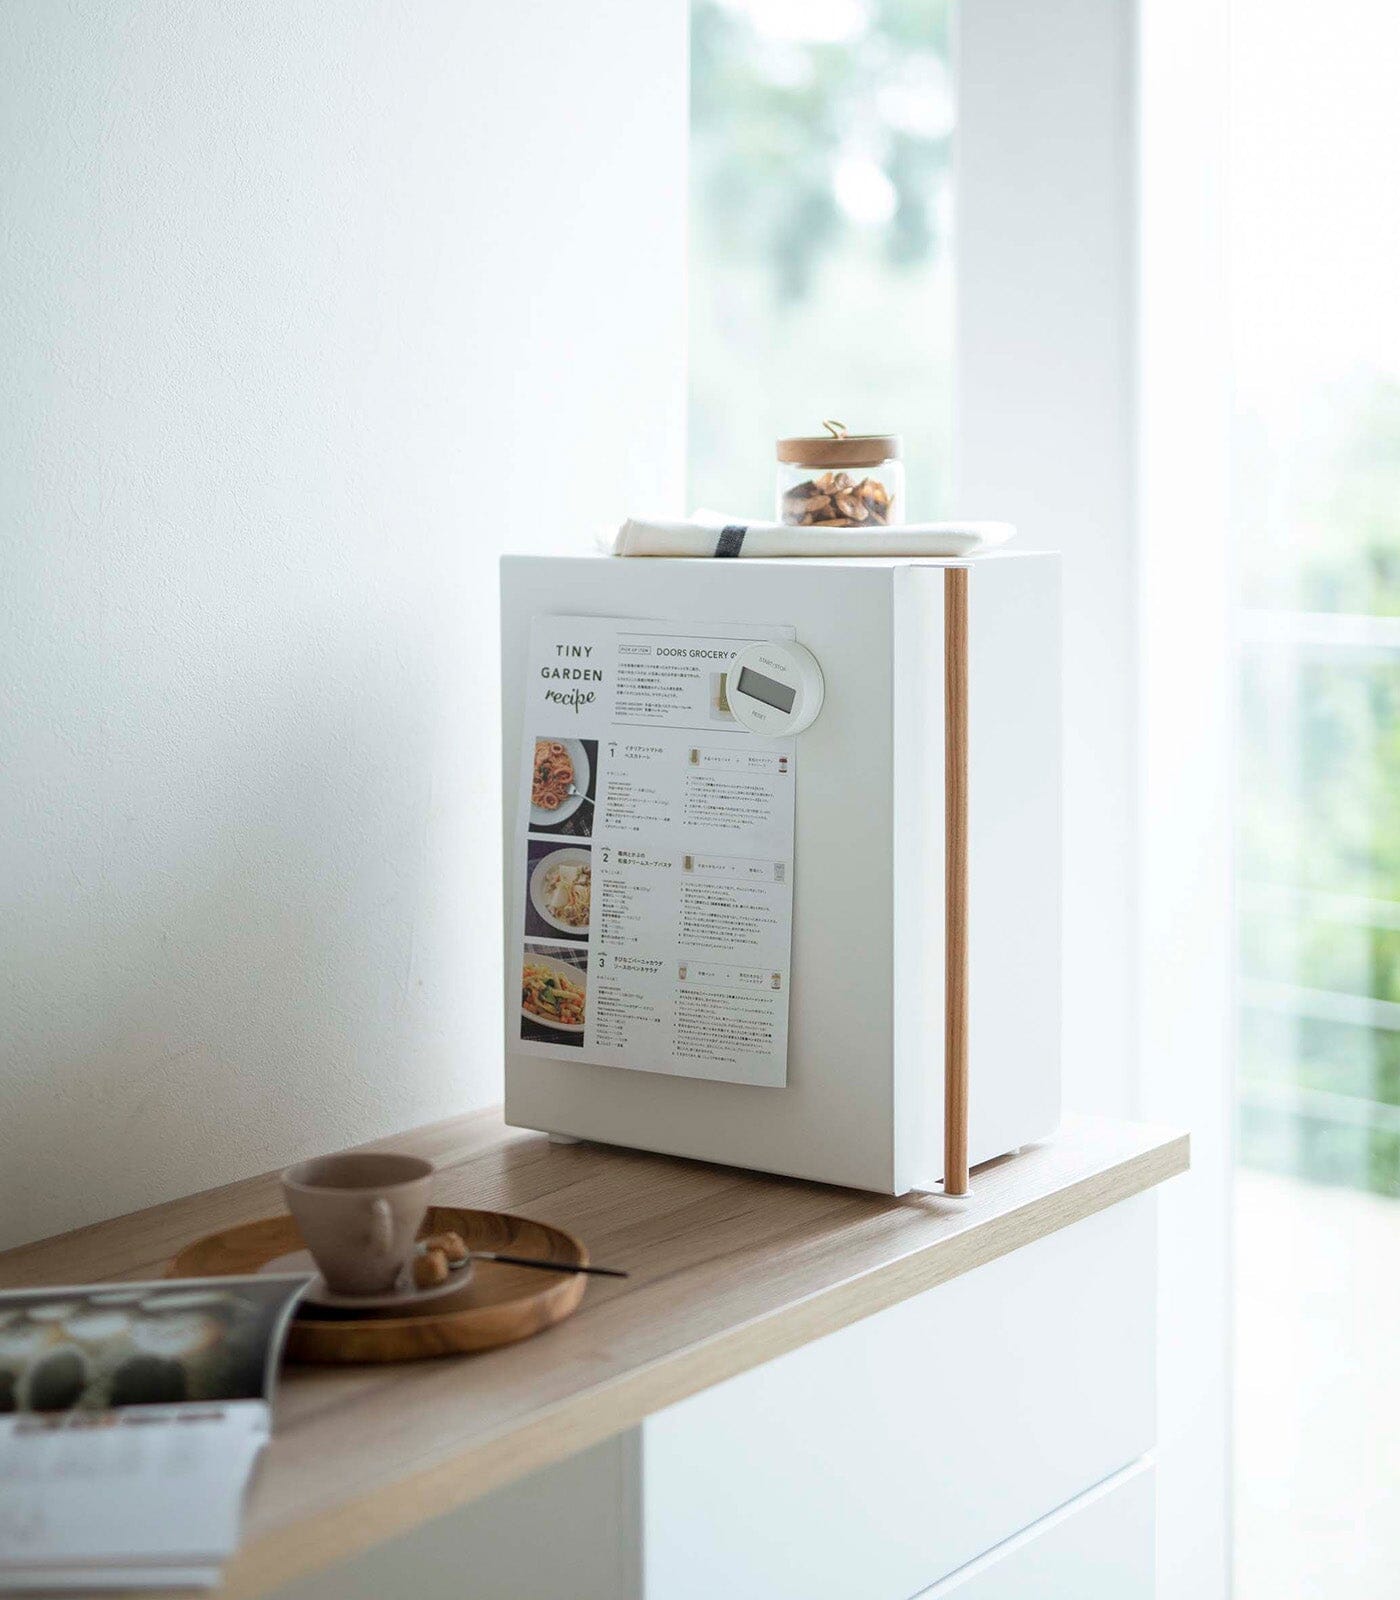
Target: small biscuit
<point x="430" y="1269"/>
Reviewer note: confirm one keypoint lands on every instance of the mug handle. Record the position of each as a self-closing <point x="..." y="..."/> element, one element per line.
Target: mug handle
<point x="381" y="1226"/>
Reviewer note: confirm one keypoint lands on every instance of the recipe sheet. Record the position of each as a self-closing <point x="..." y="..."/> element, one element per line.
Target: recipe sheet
<point x="652" y="886"/>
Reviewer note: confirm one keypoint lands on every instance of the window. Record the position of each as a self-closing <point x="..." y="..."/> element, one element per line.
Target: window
<point x="821" y="184"/>
<point x="1315" y="235"/>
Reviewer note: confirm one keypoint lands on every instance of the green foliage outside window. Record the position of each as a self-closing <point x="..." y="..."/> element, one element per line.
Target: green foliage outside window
<point x="821" y="172"/>
<point x="821" y="205"/>
<point x="1320" y="793"/>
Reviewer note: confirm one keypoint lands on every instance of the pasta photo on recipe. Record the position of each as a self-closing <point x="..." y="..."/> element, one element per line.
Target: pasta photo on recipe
<point x="559" y="890"/>
<point x="554" y="993"/>
<point x="563" y="785"/>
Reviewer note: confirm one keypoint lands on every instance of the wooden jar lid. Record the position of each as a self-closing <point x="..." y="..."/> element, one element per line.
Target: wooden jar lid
<point x="843" y="450"/>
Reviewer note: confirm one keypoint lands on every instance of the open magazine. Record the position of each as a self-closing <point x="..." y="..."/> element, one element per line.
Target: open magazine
<point x="131" y="1416"/>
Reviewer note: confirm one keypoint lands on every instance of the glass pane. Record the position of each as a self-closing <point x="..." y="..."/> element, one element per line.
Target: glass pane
<point x="820" y="272"/>
<point x="1315" y="245"/>
<point x="1319" y="1068"/>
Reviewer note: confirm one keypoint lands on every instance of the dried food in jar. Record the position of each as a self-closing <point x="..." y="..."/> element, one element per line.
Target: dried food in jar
<point x="837" y="500"/>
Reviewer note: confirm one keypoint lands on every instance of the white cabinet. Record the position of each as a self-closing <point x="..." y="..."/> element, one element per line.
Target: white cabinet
<point x="984" y="1440"/>
<point x="1101" y="1546"/>
<point x="567" y="1532"/>
<point x="880" y="1459"/>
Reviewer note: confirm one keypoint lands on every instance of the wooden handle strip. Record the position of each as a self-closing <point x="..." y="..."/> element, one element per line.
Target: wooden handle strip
<point x="955" y="1088"/>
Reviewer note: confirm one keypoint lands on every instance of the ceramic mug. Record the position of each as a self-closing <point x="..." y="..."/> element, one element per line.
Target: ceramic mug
<point x="359" y="1215"/>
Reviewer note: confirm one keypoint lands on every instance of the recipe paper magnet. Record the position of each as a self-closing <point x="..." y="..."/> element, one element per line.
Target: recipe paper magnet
<point x="652" y="876"/>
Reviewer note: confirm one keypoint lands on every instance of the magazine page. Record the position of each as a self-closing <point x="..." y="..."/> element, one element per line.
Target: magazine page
<point x="131" y="1416"/>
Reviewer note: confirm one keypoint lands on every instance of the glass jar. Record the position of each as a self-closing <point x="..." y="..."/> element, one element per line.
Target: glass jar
<point x="840" y="480"/>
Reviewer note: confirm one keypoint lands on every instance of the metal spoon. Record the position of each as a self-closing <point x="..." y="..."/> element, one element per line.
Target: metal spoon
<point x="535" y="1261"/>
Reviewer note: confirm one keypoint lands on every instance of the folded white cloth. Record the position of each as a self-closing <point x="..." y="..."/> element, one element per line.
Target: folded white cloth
<point x="765" y="540"/>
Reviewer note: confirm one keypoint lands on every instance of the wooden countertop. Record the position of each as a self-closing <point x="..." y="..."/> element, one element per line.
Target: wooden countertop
<point x="729" y="1269"/>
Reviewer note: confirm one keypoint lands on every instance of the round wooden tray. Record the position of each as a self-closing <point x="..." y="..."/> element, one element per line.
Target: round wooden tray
<point x="498" y="1305"/>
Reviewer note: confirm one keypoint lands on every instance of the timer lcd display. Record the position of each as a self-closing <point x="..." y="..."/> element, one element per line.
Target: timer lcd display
<point x="760" y="687"/>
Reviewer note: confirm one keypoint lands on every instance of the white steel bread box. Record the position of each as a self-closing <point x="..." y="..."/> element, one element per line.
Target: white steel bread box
<point x="903" y="719"/>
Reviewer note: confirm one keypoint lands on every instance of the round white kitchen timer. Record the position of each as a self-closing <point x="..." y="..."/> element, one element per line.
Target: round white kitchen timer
<point x="775" y="687"/>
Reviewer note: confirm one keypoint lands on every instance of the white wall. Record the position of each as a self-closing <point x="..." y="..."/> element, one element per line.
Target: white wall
<point x="1187" y="706"/>
<point x="1090" y="412"/>
<point x="307" y="310"/>
<point x="1044" y="409"/>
